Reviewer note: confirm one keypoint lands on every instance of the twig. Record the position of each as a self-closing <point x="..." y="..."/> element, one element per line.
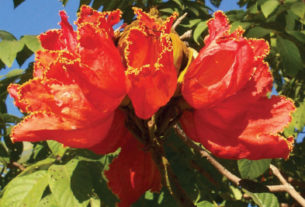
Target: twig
<point x="186" y="35"/>
<point x="178" y="21"/>
<point x="289" y="188"/>
<point x="285" y="187"/>
<point x="169" y="179"/>
<point x="18" y="165"/>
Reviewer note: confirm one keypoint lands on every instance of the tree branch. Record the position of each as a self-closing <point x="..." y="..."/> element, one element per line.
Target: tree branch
<point x="186" y="35"/>
<point x="169" y="179"/>
<point x="16" y="164"/>
<point x="178" y="21"/>
<point x="289" y="188"/>
<point x="285" y="187"/>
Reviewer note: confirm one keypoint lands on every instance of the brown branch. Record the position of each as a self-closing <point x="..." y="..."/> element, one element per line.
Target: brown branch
<point x="285" y="187"/>
<point x="169" y="179"/>
<point x="178" y="21"/>
<point x="289" y="188"/>
<point x="186" y="35"/>
<point x="18" y="165"/>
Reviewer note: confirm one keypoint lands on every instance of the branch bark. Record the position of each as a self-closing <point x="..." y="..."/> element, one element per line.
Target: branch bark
<point x="169" y="179"/>
<point x="288" y="188"/>
<point x="178" y="21"/>
<point x="284" y="187"/>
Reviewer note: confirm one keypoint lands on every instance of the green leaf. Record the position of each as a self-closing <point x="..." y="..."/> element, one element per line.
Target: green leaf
<point x="64" y="2"/>
<point x="236" y="24"/>
<point x="25" y="191"/>
<point x="299" y="117"/>
<point x="199" y="30"/>
<point x="250" y="169"/>
<point x="4" y="35"/>
<point x="32" y="42"/>
<point x="269" y="6"/>
<point x="17" y="2"/>
<point x="95" y="202"/>
<point x="57" y="148"/>
<point x="237" y="194"/>
<point x="48" y="201"/>
<point x="9" y="118"/>
<point x="4" y="156"/>
<point x="41" y="165"/>
<point x="9" y="50"/>
<point x="290" y="55"/>
<point x="205" y="204"/>
<point x="258" y="32"/>
<point x="12" y="73"/>
<point x="298" y="35"/>
<point x="298" y="9"/>
<point x="264" y="199"/>
<point x="68" y="184"/>
<point x="216" y="2"/>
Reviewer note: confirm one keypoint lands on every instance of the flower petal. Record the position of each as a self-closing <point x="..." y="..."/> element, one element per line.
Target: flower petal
<point x="14" y="91"/>
<point x="43" y="60"/>
<point x="51" y="40"/>
<point x="219" y="71"/>
<point x="151" y="71"/>
<point x="132" y="173"/>
<point x="238" y="129"/>
<point x="103" y="97"/>
<point x="101" y="20"/>
<point x="116" y="137"/>
<point x="217" y="26"/>
<point x="47" y="126"/>
<point x="260" y="48"/>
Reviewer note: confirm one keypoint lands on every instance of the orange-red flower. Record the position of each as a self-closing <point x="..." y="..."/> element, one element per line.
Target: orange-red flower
<point x="148" y="53"/>
<point x="133" y="172"/>
<point x="227" y="85"/>
<point x="78" y="82"/>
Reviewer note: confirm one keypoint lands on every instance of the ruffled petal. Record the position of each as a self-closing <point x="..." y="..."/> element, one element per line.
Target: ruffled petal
<point x="14" y="91"/>
<point x="103" y="59"/>
<point x="148" y="55"/>
<point x="101" y="20"/>
<point x="32" y="96"/>
<point x="217" y="26"/>
<point x="43" y="60"/>
<point x="238" y="129"/>
<point x="51" y="40"/>
<point x="152" y="24"/>
<point x="219" y="71"/>
<point x="40" y="126"/>
<point x="132" y="173"/>
<point x="260" y="48"/>
<point x="116" y="137"/>
<point x="96" y="91"/>
<point x="65" y="38"/>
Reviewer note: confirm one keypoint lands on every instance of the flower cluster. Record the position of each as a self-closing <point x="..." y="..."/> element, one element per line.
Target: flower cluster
<point x="83" y="79"/>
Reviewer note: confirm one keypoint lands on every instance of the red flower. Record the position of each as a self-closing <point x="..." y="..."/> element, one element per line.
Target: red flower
<point x="78" y="82"/>
<point x="148" y="53"/>
<point x="133" y="172"/>
<point x="227" y="84"/>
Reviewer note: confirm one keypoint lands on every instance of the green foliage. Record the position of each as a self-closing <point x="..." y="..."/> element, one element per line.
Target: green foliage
<point x="25" y="190"/>
<point x="250" y="169"/>
<point x="264" y="199"/>
<point x="17" y="2"/>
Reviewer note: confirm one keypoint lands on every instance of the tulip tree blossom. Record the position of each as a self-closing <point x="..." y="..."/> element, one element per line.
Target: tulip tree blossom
<point x="104" y="90"/>
<point x="227" y="84"/>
